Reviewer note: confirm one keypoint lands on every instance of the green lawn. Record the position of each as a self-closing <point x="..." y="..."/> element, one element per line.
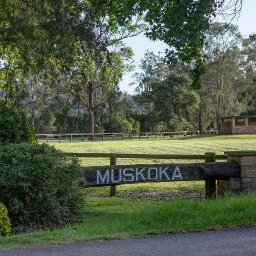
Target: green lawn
<point x="123" y="217"/>
<point x="183" y="145"/>
<point x="109" y="218"/>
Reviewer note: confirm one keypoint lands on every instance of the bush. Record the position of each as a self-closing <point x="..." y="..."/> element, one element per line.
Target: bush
<point x="5" y="224"/>
<point x="14" y="126"/>
<point x="40" y="185"/>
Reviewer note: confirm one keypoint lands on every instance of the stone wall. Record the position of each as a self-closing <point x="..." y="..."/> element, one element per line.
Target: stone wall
<point x="247" y="162"/>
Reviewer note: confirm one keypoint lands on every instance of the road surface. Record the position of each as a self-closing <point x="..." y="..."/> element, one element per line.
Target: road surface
<point x="228" y="242"/>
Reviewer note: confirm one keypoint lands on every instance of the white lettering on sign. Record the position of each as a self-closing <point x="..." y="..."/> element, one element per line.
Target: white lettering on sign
<point x="177" y="174"/>
<point x="102" y="179"/>
<point x="127" y="174"/>
<point x="137" y="174"/>
<point x="118" y="178"/>
<point x="152" y="173"/>
<point x="163" y="171"/>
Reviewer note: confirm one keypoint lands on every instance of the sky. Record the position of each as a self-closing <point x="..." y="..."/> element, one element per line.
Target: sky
<point x="140" y="44"/>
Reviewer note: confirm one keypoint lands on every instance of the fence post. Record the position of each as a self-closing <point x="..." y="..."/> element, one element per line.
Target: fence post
<point x="113" y="187"/>
<point x="210" y="183"/>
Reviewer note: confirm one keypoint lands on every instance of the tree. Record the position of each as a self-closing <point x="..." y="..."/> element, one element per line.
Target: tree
<point x="249" y="57"/>
<point x="165" y="93"/>
<point x="175" y="103"/>
<point x="117" y="115"/>
<point x="40" y="31"/>
<point x="223" y="81"/>
<point x="93" y="74"/>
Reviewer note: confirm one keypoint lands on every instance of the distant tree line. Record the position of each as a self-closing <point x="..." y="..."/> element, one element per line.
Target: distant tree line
<point x="165" y="101"/>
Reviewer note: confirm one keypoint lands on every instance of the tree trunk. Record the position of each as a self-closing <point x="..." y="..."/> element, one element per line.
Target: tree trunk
<point x="91" y="112"/>
<point x="200" y="115"/>
<point x="200" y="123"/>
<point x="91" y="124"/>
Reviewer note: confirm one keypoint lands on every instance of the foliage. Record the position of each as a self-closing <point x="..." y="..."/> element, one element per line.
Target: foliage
<point x="5" y="224"/>
<point x="42" y="31"/>
<point x="14" y="126"/>
<point x="70" y="98"/>
<point x="117" y="113"/>
<point x="165" y="93"/>
<point x="181" y="25"/>
<point x="48" y="32"/>
<point x="224" y="87"/>
<point x="249" y="54"/>
<point x="39" y="185"/>
<point x="94" y="74"/>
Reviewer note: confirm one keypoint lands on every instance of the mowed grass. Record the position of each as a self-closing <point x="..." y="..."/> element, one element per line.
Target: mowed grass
<point x="115" y="218"/>
<point x="108" y="218"/>
<point x="181" y="145"/>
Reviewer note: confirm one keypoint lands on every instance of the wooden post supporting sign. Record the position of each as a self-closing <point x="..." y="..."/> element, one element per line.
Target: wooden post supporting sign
<point x="210" y="183"/>
<point x="113" y="187"/>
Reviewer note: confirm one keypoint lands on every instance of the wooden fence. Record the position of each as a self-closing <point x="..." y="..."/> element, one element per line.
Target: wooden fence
<point x="114" y="174"/>
<point x="117" y="136"/>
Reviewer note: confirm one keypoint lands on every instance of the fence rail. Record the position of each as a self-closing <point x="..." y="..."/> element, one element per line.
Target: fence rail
<point x="111" y="136"/>
<point x="148" y="156"/>
<point x="210" y="157"/>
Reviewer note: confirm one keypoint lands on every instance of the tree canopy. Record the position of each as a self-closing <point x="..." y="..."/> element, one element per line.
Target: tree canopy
<point x="40" y="30"/>
<point x="70" y="52"/>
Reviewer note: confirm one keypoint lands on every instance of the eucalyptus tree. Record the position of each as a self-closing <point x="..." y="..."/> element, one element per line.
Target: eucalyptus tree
<point x="249" y="55"/>
<point x="223" y="83"/>
<point x="93" y="75"/>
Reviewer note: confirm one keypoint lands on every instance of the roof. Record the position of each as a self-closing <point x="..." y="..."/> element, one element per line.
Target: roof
<point x="227" y="117"/>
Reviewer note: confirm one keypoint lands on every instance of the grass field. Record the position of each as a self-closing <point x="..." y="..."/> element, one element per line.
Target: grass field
<point x="183" y="145"/>
<point x="117" y="217"/>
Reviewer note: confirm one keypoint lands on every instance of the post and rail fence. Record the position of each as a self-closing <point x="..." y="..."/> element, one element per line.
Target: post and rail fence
<point x="230" y="174"/>
<point x="116" y="136"/>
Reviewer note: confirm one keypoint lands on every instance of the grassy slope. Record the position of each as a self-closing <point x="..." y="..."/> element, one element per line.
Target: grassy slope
<point x="115" y="217"/>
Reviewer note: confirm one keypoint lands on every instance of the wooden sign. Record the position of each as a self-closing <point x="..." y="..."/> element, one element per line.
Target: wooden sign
<point x="111" y="175"/>
<point x="122" y="174"/>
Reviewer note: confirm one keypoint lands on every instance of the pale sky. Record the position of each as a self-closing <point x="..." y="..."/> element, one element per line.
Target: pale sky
<point x="140" y="44"/>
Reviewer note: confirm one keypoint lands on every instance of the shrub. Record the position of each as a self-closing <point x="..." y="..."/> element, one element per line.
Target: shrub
<point x="5" y="224"/>
<point x="40" y="185"/>
<point x="14" y="126"/>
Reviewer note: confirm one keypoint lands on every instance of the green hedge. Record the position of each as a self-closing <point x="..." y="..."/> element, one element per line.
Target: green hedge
<point x="14" y="126"/>
<point x="40" y="185"/>
<point x="5" y="224"/>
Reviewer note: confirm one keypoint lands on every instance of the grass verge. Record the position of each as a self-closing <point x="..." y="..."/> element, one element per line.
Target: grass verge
<point x="109" y="218"/>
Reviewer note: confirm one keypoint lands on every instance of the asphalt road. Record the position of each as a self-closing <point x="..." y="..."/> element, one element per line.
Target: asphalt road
<point x="229" y="242"/>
